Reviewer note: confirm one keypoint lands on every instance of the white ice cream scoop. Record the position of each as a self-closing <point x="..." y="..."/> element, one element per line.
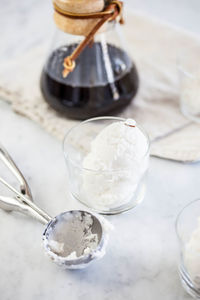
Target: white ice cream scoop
<point x="73" y="239"/>
<point x="118" y="160"/>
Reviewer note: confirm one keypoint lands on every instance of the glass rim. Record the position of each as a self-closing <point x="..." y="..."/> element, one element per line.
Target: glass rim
<point x="180" y="214"/>
<point x="67" y="157"/>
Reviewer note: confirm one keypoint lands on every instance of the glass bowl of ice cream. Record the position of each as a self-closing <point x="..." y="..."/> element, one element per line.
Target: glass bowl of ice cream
<point x="188" y="233"/>
<point x="107" y="160"/>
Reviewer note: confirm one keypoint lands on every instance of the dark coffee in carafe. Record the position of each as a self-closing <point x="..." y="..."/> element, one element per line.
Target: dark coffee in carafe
<point x="81" y="98"/>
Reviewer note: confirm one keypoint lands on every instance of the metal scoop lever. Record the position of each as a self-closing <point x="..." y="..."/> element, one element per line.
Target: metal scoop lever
<point x="8" y="161"/>
<point x="15" y="204"/>
<point x="28" y="202"/>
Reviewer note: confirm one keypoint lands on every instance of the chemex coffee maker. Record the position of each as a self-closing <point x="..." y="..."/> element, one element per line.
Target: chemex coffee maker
<point x="88" y="73"/>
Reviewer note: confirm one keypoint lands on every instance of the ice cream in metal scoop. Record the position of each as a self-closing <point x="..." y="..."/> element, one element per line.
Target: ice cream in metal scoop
<point x="73" y="239"/>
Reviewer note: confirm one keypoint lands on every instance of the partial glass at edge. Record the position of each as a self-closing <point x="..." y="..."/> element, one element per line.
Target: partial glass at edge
<point x="76" y="145"/>
<point x="188" y="220"/>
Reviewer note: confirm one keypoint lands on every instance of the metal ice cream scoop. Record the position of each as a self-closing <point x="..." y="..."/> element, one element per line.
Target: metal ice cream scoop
<point x="72" y="239"/>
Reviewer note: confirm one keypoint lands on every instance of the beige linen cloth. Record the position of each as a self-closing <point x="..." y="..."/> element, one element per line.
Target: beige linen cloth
<point x="154" y="47"/>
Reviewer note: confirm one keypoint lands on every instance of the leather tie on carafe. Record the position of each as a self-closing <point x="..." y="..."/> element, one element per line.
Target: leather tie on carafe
<point x="113" y="11"/>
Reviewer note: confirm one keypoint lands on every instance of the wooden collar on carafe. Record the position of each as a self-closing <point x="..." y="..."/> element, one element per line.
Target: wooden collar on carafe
<point x="84" y="17"/>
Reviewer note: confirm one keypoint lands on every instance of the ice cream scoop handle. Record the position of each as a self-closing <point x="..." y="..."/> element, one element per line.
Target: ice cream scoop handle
<point x="28" y="202"/>
<point x="13" y="204"/>
<point x="8" y="161"/>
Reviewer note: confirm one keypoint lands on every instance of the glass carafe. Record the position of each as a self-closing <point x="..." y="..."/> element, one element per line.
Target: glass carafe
<point x="104" y="80"/>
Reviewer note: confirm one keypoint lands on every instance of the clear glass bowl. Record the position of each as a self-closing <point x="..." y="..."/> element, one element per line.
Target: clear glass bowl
<point x="188" y="236"/>
<point x="128" y="183"/>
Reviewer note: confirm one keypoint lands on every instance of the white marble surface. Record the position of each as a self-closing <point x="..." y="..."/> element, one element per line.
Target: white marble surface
<point x="141" y="262"/>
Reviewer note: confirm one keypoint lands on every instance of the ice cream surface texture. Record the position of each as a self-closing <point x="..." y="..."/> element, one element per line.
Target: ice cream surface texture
<point x="116" y="162"/>
<point x="77" y="232"/>
<point x="192" y="255"/>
